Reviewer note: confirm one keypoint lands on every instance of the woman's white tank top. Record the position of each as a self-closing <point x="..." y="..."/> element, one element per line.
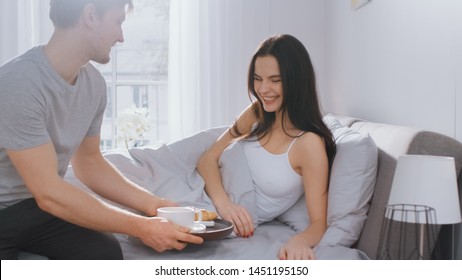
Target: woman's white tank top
<point x="277" y="185"/>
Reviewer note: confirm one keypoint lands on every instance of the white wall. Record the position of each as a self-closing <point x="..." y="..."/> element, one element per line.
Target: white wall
<point x="305" y="19"/>
<point x="458" y="60"/>
<point x="396" y="61"/>
<point x="259" y="19"/>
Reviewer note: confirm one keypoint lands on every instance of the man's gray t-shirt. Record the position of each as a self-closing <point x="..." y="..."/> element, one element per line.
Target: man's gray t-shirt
<point x="38" y="106"/>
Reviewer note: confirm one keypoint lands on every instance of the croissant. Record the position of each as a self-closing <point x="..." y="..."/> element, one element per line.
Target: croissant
<point x="206" y="215"/>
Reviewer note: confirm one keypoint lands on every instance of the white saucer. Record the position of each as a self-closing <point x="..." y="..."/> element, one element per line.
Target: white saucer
<point x="198" y="228"/>
<point x="208" y="223"/>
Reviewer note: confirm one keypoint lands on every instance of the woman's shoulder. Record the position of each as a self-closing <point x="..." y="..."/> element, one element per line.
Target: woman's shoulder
<point x="308" y="136"/>
<point x="309" y="142"/>
<point x="308" y="149"/>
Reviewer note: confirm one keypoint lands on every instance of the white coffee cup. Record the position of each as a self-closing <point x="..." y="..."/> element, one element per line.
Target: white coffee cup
<point x="183" y="216"/>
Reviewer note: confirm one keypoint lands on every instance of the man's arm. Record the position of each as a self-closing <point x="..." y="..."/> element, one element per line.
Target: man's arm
<point x="99" y="175"/>
<point x="38" y="168"/>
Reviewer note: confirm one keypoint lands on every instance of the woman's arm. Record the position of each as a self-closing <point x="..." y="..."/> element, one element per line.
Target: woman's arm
<point x="310" y="159"/>
<point x="209" y="169"/>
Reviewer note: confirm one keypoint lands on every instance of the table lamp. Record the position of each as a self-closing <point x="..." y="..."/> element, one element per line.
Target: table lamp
<point x="423" y="195"/>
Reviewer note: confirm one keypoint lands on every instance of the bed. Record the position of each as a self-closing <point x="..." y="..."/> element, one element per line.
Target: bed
<point x="169" y="171"/>
<point x="360" y="184"/>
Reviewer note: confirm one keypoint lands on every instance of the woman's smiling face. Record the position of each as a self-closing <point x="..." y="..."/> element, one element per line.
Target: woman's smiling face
<point x="267" y="83"/>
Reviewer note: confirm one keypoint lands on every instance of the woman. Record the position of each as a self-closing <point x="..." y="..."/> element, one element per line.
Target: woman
<point x="288" y="147"/>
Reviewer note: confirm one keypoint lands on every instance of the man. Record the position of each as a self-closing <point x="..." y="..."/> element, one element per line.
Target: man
<point x="52" y="103"/>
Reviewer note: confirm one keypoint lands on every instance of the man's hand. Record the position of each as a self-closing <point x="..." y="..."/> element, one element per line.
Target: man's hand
<point x="162" y="235"/>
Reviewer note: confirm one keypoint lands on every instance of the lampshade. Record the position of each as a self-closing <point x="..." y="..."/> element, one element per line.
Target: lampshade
<point x="429" y="181"/>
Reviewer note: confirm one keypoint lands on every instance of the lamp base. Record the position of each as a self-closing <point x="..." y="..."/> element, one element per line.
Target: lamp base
<point x="409" y="232"/>
<point x="445" y="246"/>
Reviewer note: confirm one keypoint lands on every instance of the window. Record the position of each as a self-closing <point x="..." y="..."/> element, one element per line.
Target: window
<point x="138" y="71"/>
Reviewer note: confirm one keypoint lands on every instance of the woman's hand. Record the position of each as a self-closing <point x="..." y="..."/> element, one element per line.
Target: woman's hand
<point x="296" y="248"/>
<point x="239" y="216"/>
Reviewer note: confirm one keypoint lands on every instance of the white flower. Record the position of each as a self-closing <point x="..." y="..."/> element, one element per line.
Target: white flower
<point x="132" y="124"/>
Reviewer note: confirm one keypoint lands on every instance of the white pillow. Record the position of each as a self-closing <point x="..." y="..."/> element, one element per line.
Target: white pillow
<point x="351" y="186"/>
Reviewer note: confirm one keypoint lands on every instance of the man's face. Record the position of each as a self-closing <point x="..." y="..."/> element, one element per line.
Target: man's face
<point x="107" y="33"/>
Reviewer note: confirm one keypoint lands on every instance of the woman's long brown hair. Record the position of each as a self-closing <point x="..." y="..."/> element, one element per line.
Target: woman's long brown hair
<point x="300" y="99"/>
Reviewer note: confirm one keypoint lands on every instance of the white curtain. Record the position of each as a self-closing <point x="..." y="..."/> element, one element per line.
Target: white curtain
<point x="23" y="24"/>
<point x="211" y="43"/>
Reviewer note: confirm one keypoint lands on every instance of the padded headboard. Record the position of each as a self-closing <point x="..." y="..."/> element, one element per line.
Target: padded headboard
<point x="393" y="141"/>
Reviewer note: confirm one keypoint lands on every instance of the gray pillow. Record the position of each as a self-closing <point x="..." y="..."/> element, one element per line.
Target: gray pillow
<point x="189" y="149"/>
<point x="351" y="186"/>
<point x="237" y="179"/>
<point x="234" y="169"/>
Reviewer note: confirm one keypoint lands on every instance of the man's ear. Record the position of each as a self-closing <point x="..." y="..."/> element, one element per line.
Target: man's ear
<point x="89" y="14"/>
